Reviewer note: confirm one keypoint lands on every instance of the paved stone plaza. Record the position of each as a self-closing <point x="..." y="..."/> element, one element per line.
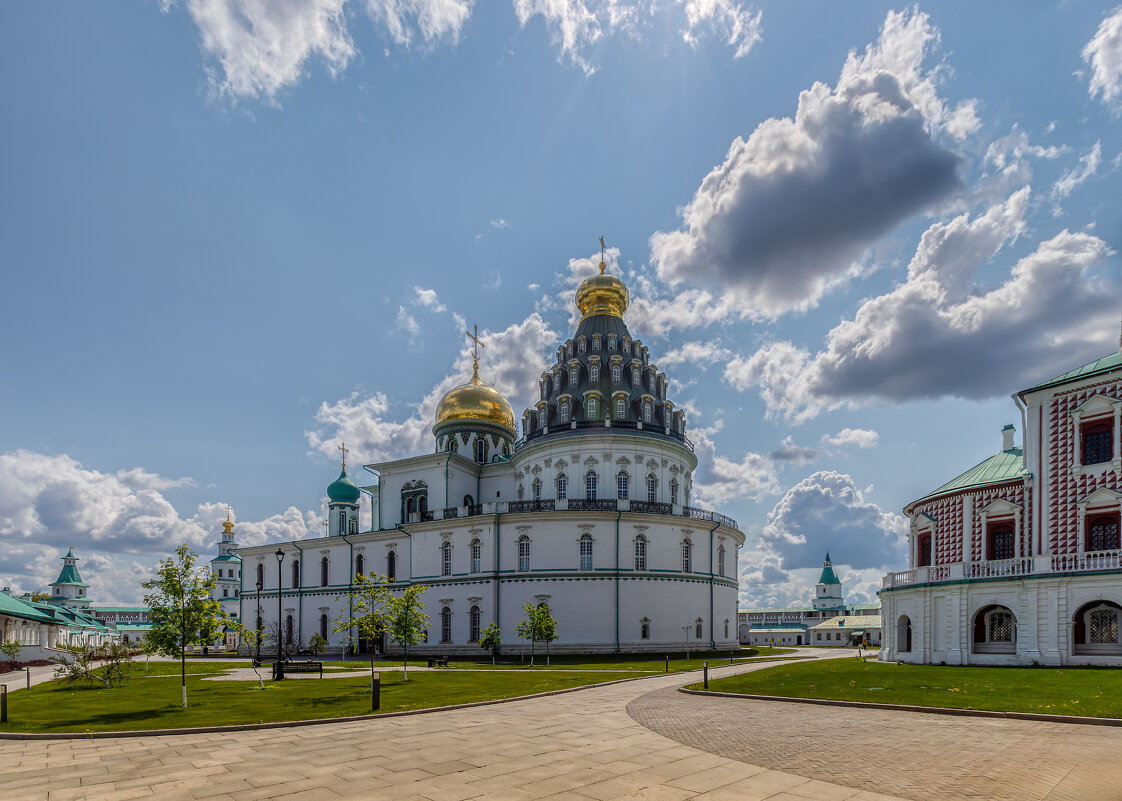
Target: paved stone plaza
<point x="634" y="740"/>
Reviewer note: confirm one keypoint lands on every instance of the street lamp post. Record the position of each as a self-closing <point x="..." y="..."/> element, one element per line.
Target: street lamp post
<point x="280" y="613"/>
<point x="686" y="637"/>
<point x="260" y="586"/>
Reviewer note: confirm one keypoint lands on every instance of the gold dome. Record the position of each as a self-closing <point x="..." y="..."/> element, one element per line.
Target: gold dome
<point x="475" y="401"/>
<point x="602" y="294"/>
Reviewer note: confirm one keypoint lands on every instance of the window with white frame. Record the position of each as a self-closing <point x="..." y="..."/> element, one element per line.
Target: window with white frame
<point x="323" y="564"/>
<point x="446" y="559"/>
<point x="582" y="345"/>
<point x="524" y="554"/>
<point x="721" y="561"/>
<point x="557" y="382"/>
<point x="573" y="374"/>
<point x="674" y="490"/>
<point x="640" y="553"/>
<point x="537" y="489"/>
<point x="697" y="630"/>
<point x="652" y="488"/>
<point x="621" y="408"/>
<point x="646" y="412"/>
<point x="474" y="616"/>
<point x="593" y="373"/>
<point x="635" y="375"/>
<point x="562" y="487"/>
<point x="621" y="485"/>
<point x="687" y="554"/>
<point x="645" y="629"/>
<point x="565" y="412"/>
<point x="585" y="551"/>
<point x="476" y="552"/>
<point x="480" y="451"/>
<point x="596" y="342"/>
<point x="446" y="625"/>
<point x="616" y="374"/>
<point x="593" y="410"/>
<point x="521" y="492"/>
<point x="611" y="342"/>
<point x="590" y="481"/>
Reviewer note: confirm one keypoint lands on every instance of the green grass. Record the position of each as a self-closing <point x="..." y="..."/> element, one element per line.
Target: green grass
<point x="1091" y="692"/>
<point x="154" y="702"/>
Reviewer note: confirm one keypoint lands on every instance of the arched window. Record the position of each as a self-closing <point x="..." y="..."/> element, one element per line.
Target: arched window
<point x="524" y="554"/>
<point x="469" y="501"/>
<point x="923" y="551"/>
<point x="582" y="344"/>
<point x="391" y="566"/>
<point x="621" y="408"/>
<point x="1098" y="443"/>
<point x="1102" y="534"/>
<point x="473" y="620"/>
<point x="697" y="629"/>
<point x="611" y="341"/>
<point x="585" y="551"/>
<point x="342" y="522"/>
<point x="521" y="492"/>
<point x="446" y="625"/>
<point x="446" y="559"/>
<point x="288" y="630"/>
<point x="295" y="573"/>
<point x="565" y="412"/>
<point x="645" y="629"/>
<point x="590" y="485"/>
<point x="596" y="342"/>
<point x="593" y="373"/>
<point x="995" y="631"/>
<point x="352" y="526"/>
<point x="999" y="544"/>
<point x="674" y="491"/>
<point x="476" y="552"/>
<point x="1095" y="629"/>
<point x="635" y="376"/>
<point x="562" y="487"/>
<point x="721" y="562"/>
<point x="573" y="374"/>
<point x="646" y="412"/>
<point x="616" y="376"/>
<point x="323" y="626"/>
<point x="640" y="554"/>
<point x="593" y="409"/>
<point x="621" y="485"/>
<point x="652" y="488"/>
<point x="260" y="576"/>
<point x="323" y="572"/>
<point x="480" y="451"/>
<point x="422" y="505"/>
<point x="360" y="564"/>
<point x="687" y="553"/>
<point x="557" y="382"/>
<point x="904" y="634"/>
<point x="537" y="488"/>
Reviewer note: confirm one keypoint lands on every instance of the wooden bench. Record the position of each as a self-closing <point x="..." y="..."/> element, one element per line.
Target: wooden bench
<point x="438" y="661"/>
<point x="304" y="667"/>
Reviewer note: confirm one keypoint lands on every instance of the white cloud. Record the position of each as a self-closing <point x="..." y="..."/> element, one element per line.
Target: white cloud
<point x="261" y="47"/>
<point x="860" y="437"/>
<point x="790" y="453"/>
<point x="777" y="224"/>
<point x="719" y="479"/>
<point x="499" y="223"/>
<point x="1104" y="54"/>
<point x="698" y="354"/>
<point x="572" y="26"/>
<point x="433" y="19"/>
<point x="1088" y="165"/>
<point x="941" y="334"/>
<point x="512" y="361"/>
<point x="408" y="323"/>
<point x="728" y="19"/>
<point x="428" y="298"/>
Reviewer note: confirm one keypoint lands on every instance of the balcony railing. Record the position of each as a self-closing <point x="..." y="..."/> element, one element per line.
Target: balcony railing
<point x="572" y="505"/>
<point x="1007" y="568"/>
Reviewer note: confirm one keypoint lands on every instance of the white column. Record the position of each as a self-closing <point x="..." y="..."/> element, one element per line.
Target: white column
<point x="1080" y="540"/>
<point x="1117" y="454"/>
<point x="1018" y="533"/>
<point x="1078" y="439"/>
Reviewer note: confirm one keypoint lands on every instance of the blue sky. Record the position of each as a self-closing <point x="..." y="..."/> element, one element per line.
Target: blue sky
<point x="233" y="233"/>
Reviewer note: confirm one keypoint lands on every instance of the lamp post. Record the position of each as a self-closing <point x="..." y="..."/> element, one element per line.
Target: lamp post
<point x="280" y="613"/>
<point x="686" y="637"/>
<point x="260" y="586"/>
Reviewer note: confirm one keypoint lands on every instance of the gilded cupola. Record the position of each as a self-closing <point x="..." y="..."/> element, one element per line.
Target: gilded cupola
<point x="475" y="401"/>
<point x="602" y="294"/>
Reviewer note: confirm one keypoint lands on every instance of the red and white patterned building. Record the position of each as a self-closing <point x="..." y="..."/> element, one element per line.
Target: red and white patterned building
<point x="1018" y="560"/>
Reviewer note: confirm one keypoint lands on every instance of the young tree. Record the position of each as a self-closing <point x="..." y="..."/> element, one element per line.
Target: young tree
<point x="114" y="658"/>
<point x="39" y="597"/>
<point x="407" y="621"/>
<point x="251" y="638"/>
<point x="183" y="611"/>
<point x="317" y="644"/>
<point x="527" y="629"/>
<point x="368" y="613"/>
<point x="538" y="624"/>
<point x="547" y="628"/>
<point x="490" y="639"/>
<point x="11" y="650"/>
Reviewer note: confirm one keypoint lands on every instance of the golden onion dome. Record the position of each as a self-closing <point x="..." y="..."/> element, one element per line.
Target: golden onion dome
<point x="475" y="401"/>
<point x="602" y="294"/>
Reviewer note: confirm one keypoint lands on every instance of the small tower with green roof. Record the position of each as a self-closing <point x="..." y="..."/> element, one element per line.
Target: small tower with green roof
<point x="828" y="591"/>
<point x="68" y="589"/>
<point x="342" y="502"/>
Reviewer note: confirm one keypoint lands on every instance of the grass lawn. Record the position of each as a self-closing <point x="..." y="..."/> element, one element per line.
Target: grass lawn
<point x="151" y="700"/>
<point x="1094" y="692"/>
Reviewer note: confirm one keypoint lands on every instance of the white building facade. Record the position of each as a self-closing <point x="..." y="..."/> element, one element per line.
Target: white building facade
<point x="1018" y="560"/>
<point x="589" y="512"/>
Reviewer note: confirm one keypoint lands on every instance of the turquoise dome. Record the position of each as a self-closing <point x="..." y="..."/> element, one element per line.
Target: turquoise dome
<point x="342" y="490"/>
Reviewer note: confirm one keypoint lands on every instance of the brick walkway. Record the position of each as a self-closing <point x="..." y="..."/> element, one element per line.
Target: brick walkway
<point x="913" y="755"/>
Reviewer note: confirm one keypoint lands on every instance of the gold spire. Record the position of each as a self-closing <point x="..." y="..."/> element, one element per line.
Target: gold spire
<point x="343" y="447"/>
<point x="603" y="293"/>
<point x="228" y="526"/>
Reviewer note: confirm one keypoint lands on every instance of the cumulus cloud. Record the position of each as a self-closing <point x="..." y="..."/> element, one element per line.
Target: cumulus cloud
<point x="727" y="19"/>
<point x="719" y="479"/>
<point x="261" y="47"/>
<point x="859" y="437"/>
<point x="1104" y="55"/>
<point x="434" y="20"/>
<point x="826" y="511"/>
<point x="118" y="523"/>
<point x="791" y="453"/>
<point x="428" y="299"/>
<point x="791" y="209"/>
<point x="698" y="354"/>
<point x="941" y="334"/>
<point x="512" y="361"/>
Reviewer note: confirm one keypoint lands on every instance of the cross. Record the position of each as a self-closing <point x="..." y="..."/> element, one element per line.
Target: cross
<point x="478" y="343"/>
<point x="227" y="512"/>
<point x="343" y="447"/>
<point x="325" y="526"/>
<point x="602" y="248"/>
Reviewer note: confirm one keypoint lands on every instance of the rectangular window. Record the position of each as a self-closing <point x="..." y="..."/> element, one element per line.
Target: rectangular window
<point x="1001" y="542"/>
<point x="586" y="553"/>
<point x="1098" y="442"/>
<point x="593" y="373"/>
<point x="476" y="550"/>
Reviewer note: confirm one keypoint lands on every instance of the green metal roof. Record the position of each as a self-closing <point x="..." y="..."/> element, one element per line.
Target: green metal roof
<point x="342" y="490"/>
<point x="1103" y="365"/>
<point x="69" y="573"/>
<point x="23" y="609"/>
<point x="119" y="609"/>
<point x="828" y="576"/>
<point x="226" y="558"/>
<point x="780" y="627"/>
<point x="999" y="468"/>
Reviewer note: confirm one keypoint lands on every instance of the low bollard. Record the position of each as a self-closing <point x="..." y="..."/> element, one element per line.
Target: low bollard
<point x="375" y="692"/>
<point x="3" y="703"/>
<point x="29" y="678"/>
<point x="705" y="673"/>
<point x="668" y="664"/>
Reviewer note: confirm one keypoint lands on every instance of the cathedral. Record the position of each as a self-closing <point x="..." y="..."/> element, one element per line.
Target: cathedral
<point x="589" y="512"/>
<point x="1018" y="560"/>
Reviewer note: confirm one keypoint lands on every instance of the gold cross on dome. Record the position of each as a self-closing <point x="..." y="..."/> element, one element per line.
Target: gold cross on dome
<point x="228" y="510"/>
<point x="603" y="266"/>
<point x="477" y="344"/>
<point x="343" y="447"/>
<point x="325" y="525"/>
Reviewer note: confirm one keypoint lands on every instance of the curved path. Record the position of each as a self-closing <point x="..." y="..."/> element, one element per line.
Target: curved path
<point x="578" y="745"/>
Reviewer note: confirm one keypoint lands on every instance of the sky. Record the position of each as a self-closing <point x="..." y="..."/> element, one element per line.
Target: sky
<point x="236" y="232"/>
